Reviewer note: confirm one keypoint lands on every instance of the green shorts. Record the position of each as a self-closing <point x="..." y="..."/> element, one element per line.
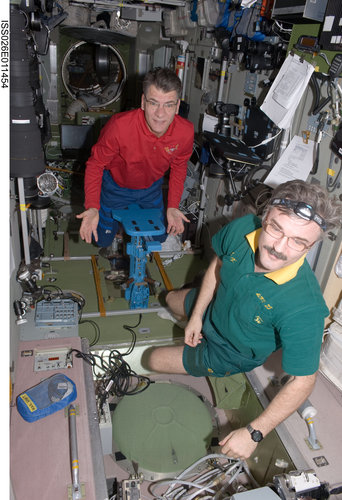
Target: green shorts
<point x="215" y="355"/>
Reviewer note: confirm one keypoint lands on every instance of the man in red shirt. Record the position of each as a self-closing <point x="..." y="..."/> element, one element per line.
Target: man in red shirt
<point x="134" y="151"/>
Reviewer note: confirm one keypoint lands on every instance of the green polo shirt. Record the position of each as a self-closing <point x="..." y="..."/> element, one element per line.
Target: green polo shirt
<point x="254" y="314"/>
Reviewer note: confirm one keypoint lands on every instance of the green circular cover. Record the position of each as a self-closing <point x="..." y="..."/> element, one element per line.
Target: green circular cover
<point x="164" y="429"/>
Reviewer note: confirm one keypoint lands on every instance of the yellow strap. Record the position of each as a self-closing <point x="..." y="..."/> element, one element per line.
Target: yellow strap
<point x="165" y="277"/>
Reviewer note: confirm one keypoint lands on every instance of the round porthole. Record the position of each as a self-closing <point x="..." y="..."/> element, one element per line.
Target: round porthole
<point x="94" y="72"/>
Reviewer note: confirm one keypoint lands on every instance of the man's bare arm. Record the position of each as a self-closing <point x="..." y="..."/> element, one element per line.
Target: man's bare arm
<point x="209" y="285"/>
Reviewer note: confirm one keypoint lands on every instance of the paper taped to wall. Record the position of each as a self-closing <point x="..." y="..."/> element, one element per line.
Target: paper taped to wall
<point x="286" y="91"/>
<point x="295" y="163"/>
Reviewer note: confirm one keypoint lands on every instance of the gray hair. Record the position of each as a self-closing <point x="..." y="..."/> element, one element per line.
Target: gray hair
<point x="329" y="208"/>
<point x="164" y="79"/>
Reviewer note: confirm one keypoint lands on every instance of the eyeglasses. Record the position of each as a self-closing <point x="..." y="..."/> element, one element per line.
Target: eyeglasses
<point x="168" y="106"/>
<point x="301" y="209"/>
<point x="278" y="234"/>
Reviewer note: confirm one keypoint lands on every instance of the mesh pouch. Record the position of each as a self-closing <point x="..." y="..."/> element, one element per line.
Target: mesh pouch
<point x="49" y="396"/>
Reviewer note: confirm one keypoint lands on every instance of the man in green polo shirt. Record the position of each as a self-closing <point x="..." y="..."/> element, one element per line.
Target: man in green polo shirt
<point x="258" y="295"/>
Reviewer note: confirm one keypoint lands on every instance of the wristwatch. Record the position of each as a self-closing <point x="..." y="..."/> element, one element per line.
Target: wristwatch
<point x="255" y="435"/>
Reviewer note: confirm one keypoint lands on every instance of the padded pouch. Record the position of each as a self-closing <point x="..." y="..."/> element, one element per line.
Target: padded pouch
<point x="49" y="396"/>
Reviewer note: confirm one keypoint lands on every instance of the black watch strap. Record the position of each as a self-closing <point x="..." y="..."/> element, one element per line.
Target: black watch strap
<point x="255" y="434"/>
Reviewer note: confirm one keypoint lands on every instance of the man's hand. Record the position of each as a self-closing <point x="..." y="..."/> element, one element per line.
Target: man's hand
<point x="193" y="331"/>
<point x="238" y="444"/>
<point x="175" y="220"/>
<point x="90" y="220"/>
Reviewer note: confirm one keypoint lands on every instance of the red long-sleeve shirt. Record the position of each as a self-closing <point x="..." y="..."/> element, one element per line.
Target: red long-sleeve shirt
<point x="136" y="157"/>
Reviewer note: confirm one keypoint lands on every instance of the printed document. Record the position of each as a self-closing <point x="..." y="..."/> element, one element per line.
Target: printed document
<point x="295" y="163"/>
<point x="287" y="90"/>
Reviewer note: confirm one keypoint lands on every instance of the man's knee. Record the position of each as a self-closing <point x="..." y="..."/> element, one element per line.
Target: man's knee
<point x="169" y="298"/>
<point x="175" y="300"/>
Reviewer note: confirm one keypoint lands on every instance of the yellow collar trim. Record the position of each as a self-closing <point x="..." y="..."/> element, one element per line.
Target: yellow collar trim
<point x="282" y="275"/>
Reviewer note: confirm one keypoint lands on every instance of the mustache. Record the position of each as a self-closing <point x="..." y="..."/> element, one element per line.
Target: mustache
<point x="276" y="254"/>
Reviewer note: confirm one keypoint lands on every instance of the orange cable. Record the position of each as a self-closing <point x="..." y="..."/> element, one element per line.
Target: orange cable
<point x="98" y="286"/>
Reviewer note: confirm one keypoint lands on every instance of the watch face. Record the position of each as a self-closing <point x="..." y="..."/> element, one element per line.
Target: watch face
<point x="257" y="436"/>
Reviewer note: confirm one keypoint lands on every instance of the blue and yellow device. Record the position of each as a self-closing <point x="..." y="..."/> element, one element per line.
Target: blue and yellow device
<point x="47" y="397"/>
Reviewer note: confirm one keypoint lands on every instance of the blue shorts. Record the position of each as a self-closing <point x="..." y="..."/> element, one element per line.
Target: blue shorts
<point x="215" y="356"/>
<point x="113" y="196"/>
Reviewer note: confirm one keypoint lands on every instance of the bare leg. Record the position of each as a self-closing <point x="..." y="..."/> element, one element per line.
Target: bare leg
<point x="167" y="360"/>
<point x="175" y="300"/>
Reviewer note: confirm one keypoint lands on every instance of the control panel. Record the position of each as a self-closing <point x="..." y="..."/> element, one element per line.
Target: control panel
<point x="57" y="313"/>
<point x="52" y="359"/>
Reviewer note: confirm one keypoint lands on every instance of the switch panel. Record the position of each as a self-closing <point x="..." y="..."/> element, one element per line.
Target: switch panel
<point x="52" y="359"/>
